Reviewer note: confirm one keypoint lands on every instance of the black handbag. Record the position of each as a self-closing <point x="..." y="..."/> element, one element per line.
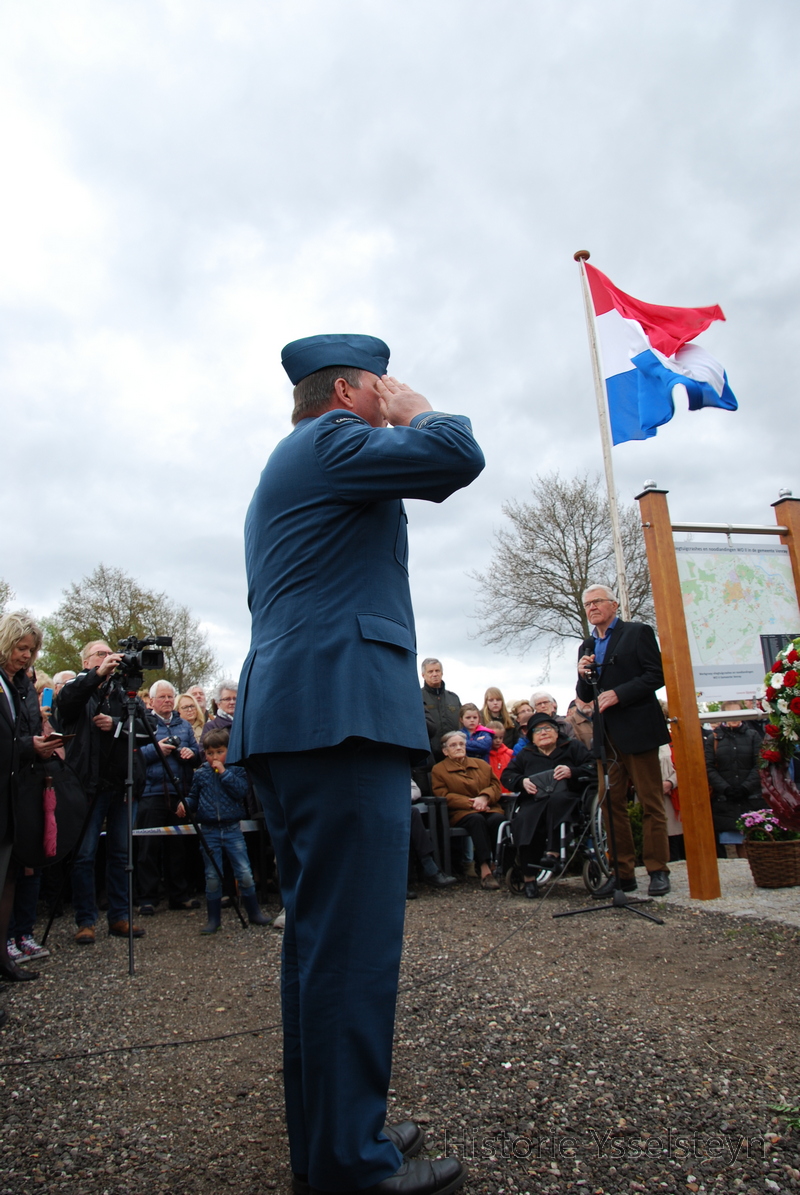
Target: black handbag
<point x="546" y="785"/>
<point x="50" y="807"/>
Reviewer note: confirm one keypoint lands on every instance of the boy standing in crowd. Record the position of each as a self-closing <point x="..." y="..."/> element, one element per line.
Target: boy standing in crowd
<point x="217" y="801"/>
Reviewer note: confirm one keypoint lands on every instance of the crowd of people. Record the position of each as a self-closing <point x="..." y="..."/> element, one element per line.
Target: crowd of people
<point x="483" y="759"/>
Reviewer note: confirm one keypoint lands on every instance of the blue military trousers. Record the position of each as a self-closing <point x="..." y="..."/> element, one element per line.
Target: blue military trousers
<point x="339" y="820"/>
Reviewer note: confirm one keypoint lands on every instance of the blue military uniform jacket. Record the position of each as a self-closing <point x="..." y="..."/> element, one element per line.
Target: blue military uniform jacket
<point x="327" y="563"/>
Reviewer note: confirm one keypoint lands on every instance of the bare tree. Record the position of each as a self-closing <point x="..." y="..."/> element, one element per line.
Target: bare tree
<point x="6" y="595"/>
<point x="110" y="605"/>
<point x="555" y="546"/>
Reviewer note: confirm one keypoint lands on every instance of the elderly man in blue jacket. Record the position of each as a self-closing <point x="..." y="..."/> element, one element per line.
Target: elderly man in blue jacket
<point x="332" y="625"/>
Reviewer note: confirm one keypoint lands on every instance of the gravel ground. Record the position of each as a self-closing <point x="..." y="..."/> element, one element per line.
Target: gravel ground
<point x="739" y="894"/>
<point x="591" y="1054"/>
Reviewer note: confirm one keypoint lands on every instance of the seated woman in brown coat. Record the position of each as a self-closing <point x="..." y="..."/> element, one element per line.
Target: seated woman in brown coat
<point x="563" y="767"/>
<point x="473" y="798"/>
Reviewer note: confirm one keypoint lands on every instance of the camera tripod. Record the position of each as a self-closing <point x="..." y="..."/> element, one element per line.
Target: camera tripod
<point x="619" y="900"/>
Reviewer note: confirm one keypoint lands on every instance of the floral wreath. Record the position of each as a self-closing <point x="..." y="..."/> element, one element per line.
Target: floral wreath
<point x="782" y="703"/>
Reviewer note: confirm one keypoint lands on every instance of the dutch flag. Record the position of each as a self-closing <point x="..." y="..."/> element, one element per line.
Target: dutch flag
<point x="648" y="361"/>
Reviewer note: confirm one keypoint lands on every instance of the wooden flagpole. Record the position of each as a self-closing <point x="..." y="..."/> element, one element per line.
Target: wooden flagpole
<point x="582" y="256"/>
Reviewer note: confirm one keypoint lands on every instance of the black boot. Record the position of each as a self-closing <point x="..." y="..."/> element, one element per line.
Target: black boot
<point x="214" y="906"/>
<point x="253" y="909"/>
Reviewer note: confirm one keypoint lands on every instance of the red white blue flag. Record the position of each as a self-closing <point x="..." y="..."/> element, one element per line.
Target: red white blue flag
<point x="648" y="359"/>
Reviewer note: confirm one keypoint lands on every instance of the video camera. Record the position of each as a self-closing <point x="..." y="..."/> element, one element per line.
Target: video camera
<point x="136" y="658"/>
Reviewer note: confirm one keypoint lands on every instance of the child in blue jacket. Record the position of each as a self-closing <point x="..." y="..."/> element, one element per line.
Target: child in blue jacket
<point x="480" y="739"/>
<point x="217" y="800"/>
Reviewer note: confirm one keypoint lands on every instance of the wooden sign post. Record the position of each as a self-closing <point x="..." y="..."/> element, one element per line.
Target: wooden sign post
<point x="787" y="514"/>
<point x="687" y="737"/>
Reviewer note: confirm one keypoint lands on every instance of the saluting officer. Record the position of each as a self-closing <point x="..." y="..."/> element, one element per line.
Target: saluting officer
<point x="332" y="623"/>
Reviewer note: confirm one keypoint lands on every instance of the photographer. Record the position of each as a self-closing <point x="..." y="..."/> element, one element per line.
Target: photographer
<point x="178" y="749"/>
<point x="93" y="710"/>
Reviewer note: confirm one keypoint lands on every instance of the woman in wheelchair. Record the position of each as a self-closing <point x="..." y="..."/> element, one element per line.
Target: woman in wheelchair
<point x="549" y="774"/>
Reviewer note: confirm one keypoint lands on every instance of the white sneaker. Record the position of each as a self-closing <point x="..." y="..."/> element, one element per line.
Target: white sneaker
<point x="14" y="953"/>
<point x="280" y="920"/>
<point x="30" y="948"/>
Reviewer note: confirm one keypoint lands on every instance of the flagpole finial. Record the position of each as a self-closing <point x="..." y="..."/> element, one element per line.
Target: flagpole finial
<point x="582" y="255"/>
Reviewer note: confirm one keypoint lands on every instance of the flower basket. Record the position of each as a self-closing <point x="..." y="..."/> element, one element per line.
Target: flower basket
<point x="774" y="864"/>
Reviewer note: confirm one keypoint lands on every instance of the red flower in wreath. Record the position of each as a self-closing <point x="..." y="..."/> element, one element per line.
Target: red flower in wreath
<point x="770" y="693"/>
<point x="791" y="656"/>
<point x="774" y="731"/>
<point x="778" y="666"/>
<point x="794" y="705"/>
<point x="790" y="678"/>
<point x="770" y="754"/>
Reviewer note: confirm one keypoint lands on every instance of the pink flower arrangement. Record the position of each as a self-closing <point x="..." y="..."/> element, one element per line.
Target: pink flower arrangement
<point x="761" y="825"/>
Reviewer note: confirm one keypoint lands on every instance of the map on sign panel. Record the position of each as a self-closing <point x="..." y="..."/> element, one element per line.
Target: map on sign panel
<point x="739" y="602"/>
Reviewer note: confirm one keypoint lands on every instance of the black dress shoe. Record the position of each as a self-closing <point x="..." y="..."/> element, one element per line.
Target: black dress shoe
<point x="407" y="1136"/>
<point x="610" y="887"/>
<point x="531" y="889"/>
<point x="440" y="880"/>
<point x="659" y="883"/>
<point x="418" y="1177"/>
<point x="410" y="894"/>
<point x="3" y="1017"/>
<point x="14" y="974"/>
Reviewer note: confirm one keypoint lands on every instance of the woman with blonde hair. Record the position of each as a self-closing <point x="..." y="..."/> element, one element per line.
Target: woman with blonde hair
<point x="189" y="709"/>
<point x="23" y="739"/>
<point x="494" y="710"/>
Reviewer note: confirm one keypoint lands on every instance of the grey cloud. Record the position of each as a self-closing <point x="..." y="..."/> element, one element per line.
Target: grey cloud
<point x="237" y="160"/>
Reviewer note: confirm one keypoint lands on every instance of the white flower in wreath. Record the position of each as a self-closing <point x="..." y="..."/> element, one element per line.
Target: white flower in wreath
<point x="783" y="706"/>
<point x="776" y="680"/>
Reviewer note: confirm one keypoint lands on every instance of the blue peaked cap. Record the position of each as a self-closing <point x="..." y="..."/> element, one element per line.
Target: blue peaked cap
<point x="302" y="357"/>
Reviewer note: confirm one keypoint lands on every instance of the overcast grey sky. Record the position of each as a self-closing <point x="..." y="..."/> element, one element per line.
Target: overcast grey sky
<point x="190" y="185"/>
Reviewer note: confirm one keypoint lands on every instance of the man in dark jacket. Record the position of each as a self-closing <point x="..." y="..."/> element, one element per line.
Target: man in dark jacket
<point x="178" y="750"/>
<point x="628" y="661"/>
<point x="95" y="714"/>
<point x="441" y="706"/>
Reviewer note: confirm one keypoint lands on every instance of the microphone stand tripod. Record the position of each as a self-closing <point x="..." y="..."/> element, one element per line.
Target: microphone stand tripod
<point x="619" y="899"/>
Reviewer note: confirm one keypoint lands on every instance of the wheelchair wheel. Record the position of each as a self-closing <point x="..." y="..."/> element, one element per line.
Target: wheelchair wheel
<point x="593" y="875"/>
<point x="515" y="882"/>
<point x="596" y="867"/>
